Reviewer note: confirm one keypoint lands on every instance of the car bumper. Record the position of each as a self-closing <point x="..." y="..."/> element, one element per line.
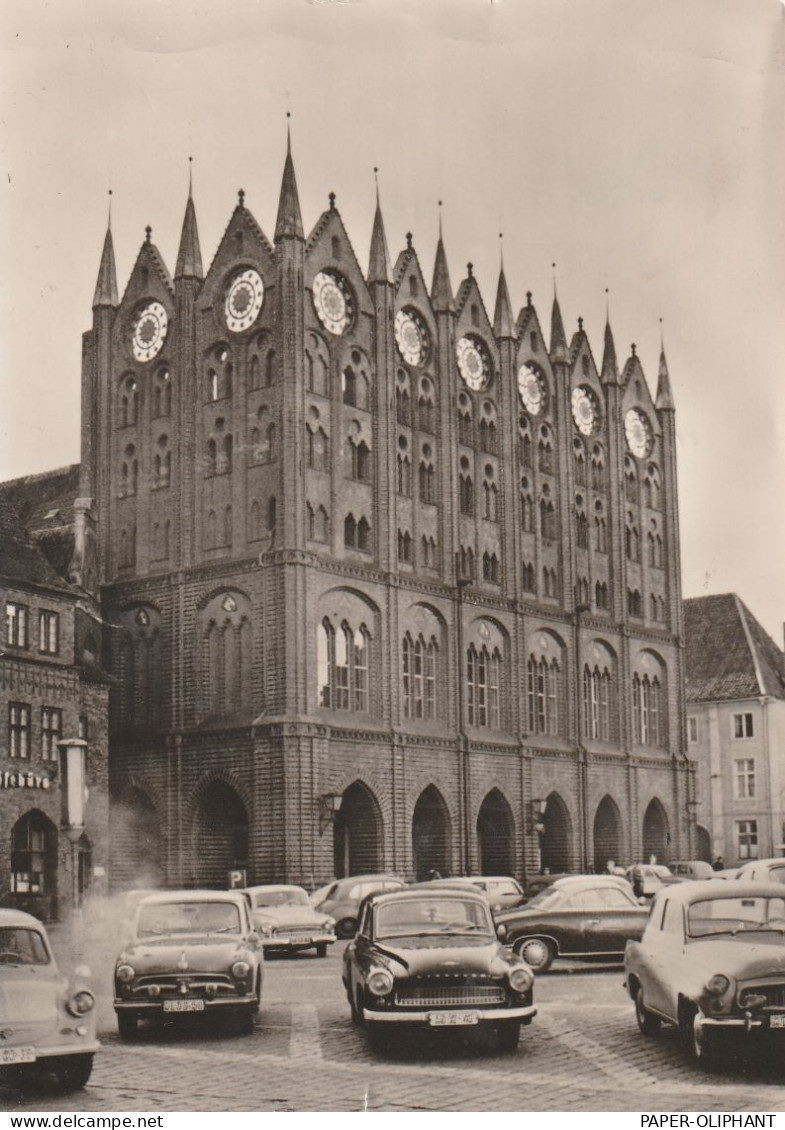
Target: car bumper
<point x="51" y="1051"/>
<point x="412" y="1016"/>
<point x="122" y="1004"/>
<point x="281" y="942"/>
<point x="747" y="1023"/>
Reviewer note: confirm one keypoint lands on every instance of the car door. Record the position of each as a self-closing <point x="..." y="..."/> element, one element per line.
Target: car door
<point x="662" y="949"/>
<point x="571" y="923"/>
<point x="620" y="919"/>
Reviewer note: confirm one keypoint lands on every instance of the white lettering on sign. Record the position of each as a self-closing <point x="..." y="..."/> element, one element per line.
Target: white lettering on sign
<point x="23" y="780"/>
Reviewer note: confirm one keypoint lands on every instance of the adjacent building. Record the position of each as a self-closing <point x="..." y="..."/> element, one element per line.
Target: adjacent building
<point x="51" y="687"/>
<point x="735" y="730"/>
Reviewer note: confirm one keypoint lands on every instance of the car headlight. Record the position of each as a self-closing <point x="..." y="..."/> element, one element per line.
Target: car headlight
<point x="521" y="980"/>
<point x="240" y="970"/>
<point x="328" y="924"/>
<point x="125" y="973"/>
<point x="380" y="982"/>
<point x="717" y="985"/>
<point x="81" y="1002"/>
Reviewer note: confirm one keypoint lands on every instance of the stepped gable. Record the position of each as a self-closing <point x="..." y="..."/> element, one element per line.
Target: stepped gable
<point x="728" y="655"/>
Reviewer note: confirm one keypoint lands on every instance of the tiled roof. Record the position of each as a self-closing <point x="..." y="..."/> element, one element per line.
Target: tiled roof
<point x="44" y="509"/>
<point x="728" y="655"/>
<point x="20" y="557"/>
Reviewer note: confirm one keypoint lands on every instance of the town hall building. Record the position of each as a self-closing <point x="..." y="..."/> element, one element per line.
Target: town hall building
<point x="388" y="584"/>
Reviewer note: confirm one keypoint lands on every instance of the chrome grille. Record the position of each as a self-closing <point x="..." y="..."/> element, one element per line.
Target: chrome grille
<point x="196" y="983"/>
<point x="774" y="994"/>
<point x="294" y="935"/>
<point x="430" y="995"/>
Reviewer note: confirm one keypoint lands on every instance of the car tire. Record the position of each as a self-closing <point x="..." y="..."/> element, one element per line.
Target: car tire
<point x="321" y="949"/>
<point x="356" y="1006"/>
<point x="73" y="1071"/>
<point x="648" y="1023"/>
<point x="507" y="1035"/>
<point x="538" y="953"/>
<point x="346" y="928"/>
<point x="127" y="1025"/>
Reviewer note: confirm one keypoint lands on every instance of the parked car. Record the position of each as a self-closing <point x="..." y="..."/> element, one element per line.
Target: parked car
<point x="541" y="882"/>
<point x="500" y="891"/>
<point x="692" y="869"/>
<point x="286" y="920"/>
<point x="586" y="916"/>
<point x="712" y="962"/>
<point x="342" y="898"/>
<point x="190" y="951"/>
<point x="648" y="878"/>
<point x="47" y="1020"/>
<point x="763" y="870"/>
<point x="431" y="959"/>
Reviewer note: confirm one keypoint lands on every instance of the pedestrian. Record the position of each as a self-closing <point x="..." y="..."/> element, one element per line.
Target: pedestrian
<point x="637" y="881"/>
<point x="434" y="874"/>
<point x="718" y="864"/>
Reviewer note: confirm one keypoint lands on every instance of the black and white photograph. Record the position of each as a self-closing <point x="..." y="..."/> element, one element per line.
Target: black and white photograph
<point x="392" y="449"/>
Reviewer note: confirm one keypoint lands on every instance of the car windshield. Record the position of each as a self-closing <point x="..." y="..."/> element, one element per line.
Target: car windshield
<point x="19" y="946"/>
<point x="735" y="916"/>
<point x="546" y="899"/>
<point x="189" y="918"/>
<point x="281" y="898"/>
<point x="423" y="916"/>
<point x="502" y="887"/>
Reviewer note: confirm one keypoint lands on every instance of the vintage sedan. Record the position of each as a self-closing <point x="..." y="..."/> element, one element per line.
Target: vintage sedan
<point x="287" y="922"/>
<point x="341" y="899"/>
<point x="189" y="952"/>
<point x="764" y="870"/>
<point x="431" y="959"/>
<point x="712" y="962"/>
<point x="47" y="1020"/>
<point x="590" y="917"/>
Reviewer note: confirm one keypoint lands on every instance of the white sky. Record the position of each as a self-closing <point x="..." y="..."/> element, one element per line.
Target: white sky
<point x="638" y="143"/>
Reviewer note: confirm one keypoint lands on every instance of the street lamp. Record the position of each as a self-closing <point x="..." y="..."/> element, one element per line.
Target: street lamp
<point x="73" y="794"/>
<point x="329" y="807"/>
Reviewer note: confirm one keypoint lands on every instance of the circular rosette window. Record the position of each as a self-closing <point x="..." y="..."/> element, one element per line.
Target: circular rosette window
<point x="332" y="300"/>
<point x="474" y="362"/>
<point x="411" y="337"/>
<point x="638" y="431"/>
<point x="149" y="331"/>
<point x="244" y="298"/>
<point x="532" y="389"/>
<point x="585" y="410"/>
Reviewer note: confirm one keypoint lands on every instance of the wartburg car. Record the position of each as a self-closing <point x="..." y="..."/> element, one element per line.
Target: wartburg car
<point x="47" y="1022"/>
<point x="286" y="921"/>
<point x="590" y="917"/>
<point x="712" y="962"/>
<point x="190" y="952"/>
<point x="431" y="959"/>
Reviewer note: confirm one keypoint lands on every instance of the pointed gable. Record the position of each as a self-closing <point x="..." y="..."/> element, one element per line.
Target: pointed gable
<point x="582" y="364"/>
<point x="503" y="321"/>
<point x="242" y="244"/>
<point x="106" y="293"/>
<point x="329" y="245"/>
<point x="189" y="255"/>
<point x="728" y="655"/>
<point x="469" y="303"/>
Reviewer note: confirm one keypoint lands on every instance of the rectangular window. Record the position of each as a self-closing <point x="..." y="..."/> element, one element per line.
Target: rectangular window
<point x="48" y="632"/>
<point x="16" y="618"/>
<point x="747" y="838"/>
<point x="742" y="725"/>
<point x="19" y="729"/>
<point x="51" y="731"/>
<point x="692" y="729"/>
<point x="744" y="777"/>
<point x="84" y="727"/>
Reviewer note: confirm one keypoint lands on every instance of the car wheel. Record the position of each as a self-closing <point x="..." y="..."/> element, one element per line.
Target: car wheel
<point x="507" y="1035"/>
<point x="74" y="1071"/>
<point x="538" y="953"/>
<point x="127" y="1025"/>
<point x="346" y="928"/>
<point x="321" y="949"/>
<point x="648" y="1023"/>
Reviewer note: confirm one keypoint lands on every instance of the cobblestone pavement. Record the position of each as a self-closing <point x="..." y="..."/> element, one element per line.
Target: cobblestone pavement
<point x="583" y="1052"/>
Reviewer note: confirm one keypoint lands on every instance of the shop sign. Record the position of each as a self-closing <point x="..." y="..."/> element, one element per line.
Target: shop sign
<point x="22" y="780"/>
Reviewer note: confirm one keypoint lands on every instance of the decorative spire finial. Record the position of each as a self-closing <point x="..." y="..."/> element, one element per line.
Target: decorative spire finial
<point x="109" y="217"/>
<point x="528" y="298"/>
<point x="633" y="349"/>
<point x="376" y="178"/>
<point x="241" y="197"/>
<point x="553" y="268"/>
<point x="148" y="232"/>
<point x="662" y="337"/>
<point x="288" y="132"/>
<point x="409" y="238"/>
<point x="580" y="324"/>
<point x="470" y="270"/>
<point x="501" y="249"/>
<point x="332" y="201"/>
<point x="440" y="219"/>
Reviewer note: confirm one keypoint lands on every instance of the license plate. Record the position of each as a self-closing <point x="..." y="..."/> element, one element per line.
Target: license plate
<point x="184" y="1006"/>
<point x="777" y="1021"/>
<point x="451" y="1019"/>
<point x="17" y="1055"/>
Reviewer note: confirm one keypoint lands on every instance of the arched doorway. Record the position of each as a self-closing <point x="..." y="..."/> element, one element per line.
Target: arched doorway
<point x="607" y="833"/>
<point x="430" y="834"/>
<point x="357" y="833"/>
<point x="221" y="835"/>
<point x="656" y="837"/>
<point x="703" y="845"/>
<point x="136" y="841"/>
<point x="34" y="864"/>
<point x="556" y="839"/>
<point x="495" y="834"/>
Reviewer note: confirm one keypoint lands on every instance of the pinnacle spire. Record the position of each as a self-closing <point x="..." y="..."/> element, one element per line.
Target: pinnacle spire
<point x="610" y="370"/>
<point x="503" y="320"/>
<point x="379" y="262"/>
<point x="664" y="401"/>
<point x="441" y="290"/>
<point x="289" y="222"/>
<point x="558" y="336"/>
<point x="189" y="257"/>
<point x="106" y="286"/>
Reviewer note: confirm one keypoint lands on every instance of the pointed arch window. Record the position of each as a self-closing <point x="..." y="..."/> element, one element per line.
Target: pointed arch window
<point x="317" y="448"/>
<point x="524" y="442"/>
<point x="404" y="466"/>
<point x="405" y="546"/>
<point x="581" y="524"/>
<point x="465" y="421"/>
<point x="547" y="518"/>
<point x="545" y="450"/>
<point x="652" y="490"/>
<point x="598" y="467"/>
<point x="269" y="368"/>
<point x="427" y="477"/>
<point x="129" y="472"/>
<point x="317" y="366"/>
<point x="490" y="501"/>
<point x="582" y="592"/>
<point x="634" y="603"/>
<point x="483" y="681"/>
<point x="219" y="374"/>
<point x="579" y="462"/>
<point x="227" y="647"/>
<point x="602" y="596"/>
<point x="630" y="480"/>
<point x="550" y="583"/>
<point x="162" y="394"/>
<point x="255" y="521"/>
<point x="162" y="464"/>
<point x="426" y="408"/>
<point x="527" y="507"/>
<point x="632" y="540"/>
<point x="528" y="577"/>
<point x="211" y="457"/>
<point x="358" y="460"/>
<point x="211" y="530"/>
<point x="343" y="659"/>
<point x="489" y="440"/>
<point x="428" y="550"/>
<point x="655" y="547"/>
<point x="466" y="561"/>
<point x="490" y="568"/>
<point x="403" y="398"/>
<point x="419" y="660"/>
<point x="544" y="695"/>
<point x="466" y="489"/>
<point x="600" y="529"/>
<point x="128" y="405"/>
<point x="600" y="709"/>
<point x="648" y="711"/>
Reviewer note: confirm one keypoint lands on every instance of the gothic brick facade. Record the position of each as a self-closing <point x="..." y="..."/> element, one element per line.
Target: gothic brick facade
<point x="387" y="585"/>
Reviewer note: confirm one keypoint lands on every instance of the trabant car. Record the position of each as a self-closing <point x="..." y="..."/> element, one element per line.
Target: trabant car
<point x="189" y="952"/>
<point x="287" y="922"/>
<point x="590" y="917"/>
<point x="431" y="959"/>
<point x="712" y="962"/>
<point x="341" y="899"/>
<point x="47" y="1020"/>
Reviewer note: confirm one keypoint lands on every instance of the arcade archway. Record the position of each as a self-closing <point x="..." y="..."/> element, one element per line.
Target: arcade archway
<point x="221" y="835"/>
<point x="495" y="835"/>
<point x="556" y="837"/>
<point x="607" y="833"/>
<point x="430" y="834"/>
<point x="357" y="833"/>
<point x="656" y="836"/>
